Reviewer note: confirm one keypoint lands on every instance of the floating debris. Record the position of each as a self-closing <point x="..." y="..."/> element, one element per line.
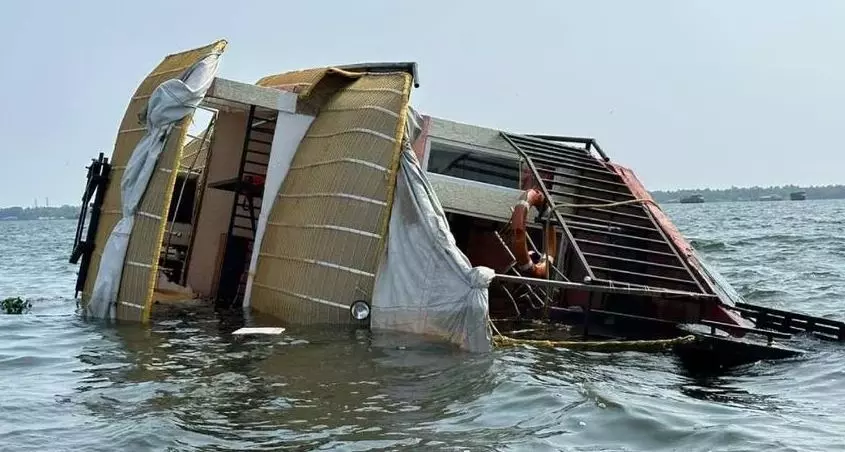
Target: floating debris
<point x="258" y="330"/>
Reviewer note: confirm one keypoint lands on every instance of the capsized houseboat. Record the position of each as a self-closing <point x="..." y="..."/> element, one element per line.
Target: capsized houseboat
<point x="320" y="196"/>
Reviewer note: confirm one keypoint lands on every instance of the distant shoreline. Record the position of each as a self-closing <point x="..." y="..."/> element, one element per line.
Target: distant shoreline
<point x="39" y="213"/>
<point x="751" y="194"/>
<point x="734" y="194"/>
<point x="38" y="219"/>
<point x="744" y="201"/>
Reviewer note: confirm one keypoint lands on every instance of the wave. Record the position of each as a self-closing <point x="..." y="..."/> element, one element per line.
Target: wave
<point x="705" y="245"/>
<point x="753" y="293"/>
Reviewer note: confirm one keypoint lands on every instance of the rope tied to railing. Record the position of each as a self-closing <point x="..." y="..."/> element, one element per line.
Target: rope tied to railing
<point x="610" y="204"/>
<point x="652" y="345"/>
<point x="597" y="346"/>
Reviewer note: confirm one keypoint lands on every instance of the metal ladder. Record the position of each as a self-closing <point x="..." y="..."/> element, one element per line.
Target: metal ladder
<point x="603" y="243"/>
<point x="95" y="187"/>
<point x="247" y="203"/>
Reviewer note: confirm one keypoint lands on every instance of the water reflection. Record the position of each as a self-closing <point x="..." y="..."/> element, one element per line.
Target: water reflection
<point x="301" y="387"/>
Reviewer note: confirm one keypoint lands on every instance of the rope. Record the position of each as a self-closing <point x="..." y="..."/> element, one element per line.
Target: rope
<point x="655" y="345"/>
<point x="610" y="204"/>
<point x="598" y="346"/>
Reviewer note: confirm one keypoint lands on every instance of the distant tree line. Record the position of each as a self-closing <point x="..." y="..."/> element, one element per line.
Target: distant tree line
<point x="709" y="195"/>
<point x="34" y="213"/>
<point x="751" y="193"/>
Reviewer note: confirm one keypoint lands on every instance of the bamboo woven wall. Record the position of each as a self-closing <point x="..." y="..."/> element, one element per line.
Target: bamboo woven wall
<point x="320" y="249"/>
<point x="141" y="264"/>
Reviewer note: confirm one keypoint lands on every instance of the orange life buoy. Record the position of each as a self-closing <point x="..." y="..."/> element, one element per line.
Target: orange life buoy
<point x="525" y="265"/>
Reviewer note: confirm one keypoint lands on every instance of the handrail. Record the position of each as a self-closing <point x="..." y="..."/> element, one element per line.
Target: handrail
<point x="693" y="296"/>
<point x="570" y="238"/>
<point x="770" y="335"/>
<point x="587" y="141"/>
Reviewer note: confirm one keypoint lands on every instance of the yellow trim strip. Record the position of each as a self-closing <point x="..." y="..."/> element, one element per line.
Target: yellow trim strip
<point x="394" y="165"/>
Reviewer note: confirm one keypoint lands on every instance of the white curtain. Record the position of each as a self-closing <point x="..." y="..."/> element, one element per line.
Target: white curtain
<point x="289" y="131"/>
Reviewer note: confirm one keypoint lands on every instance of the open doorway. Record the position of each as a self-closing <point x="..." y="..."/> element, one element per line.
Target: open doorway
<point x="217" y="200"/>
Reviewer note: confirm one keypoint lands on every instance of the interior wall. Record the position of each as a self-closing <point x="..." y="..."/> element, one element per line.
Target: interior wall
<point x="216" y="209"/>
<point x="483" y="248"/>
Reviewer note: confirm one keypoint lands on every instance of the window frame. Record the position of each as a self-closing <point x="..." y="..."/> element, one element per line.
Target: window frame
<point x="434" y="144"/>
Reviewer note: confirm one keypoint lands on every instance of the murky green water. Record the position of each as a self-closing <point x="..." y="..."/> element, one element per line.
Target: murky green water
<point x="186" y="384"/>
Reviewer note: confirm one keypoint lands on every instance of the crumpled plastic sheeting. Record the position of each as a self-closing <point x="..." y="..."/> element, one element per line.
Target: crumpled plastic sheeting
<point x="425" y="285"/>
<point x="169" y="103"/>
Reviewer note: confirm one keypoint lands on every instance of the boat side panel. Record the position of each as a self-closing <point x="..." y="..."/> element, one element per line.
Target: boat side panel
<point x="321" y="245"/>
<point x="138" y="278"/>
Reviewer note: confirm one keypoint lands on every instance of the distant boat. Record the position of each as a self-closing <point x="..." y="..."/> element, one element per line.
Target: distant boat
<point x="798" y="195"/>
<point x="771" y="198"/>
<point x="692" y="199"/>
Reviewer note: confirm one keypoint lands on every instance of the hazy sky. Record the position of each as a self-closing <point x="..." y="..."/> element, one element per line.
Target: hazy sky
<point x="688" y="93"/>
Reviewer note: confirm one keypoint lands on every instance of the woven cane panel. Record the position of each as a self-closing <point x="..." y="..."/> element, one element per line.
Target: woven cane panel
<point x="320" y="249"/>
<point x="348" y="213"/>
<point x="136" y="282"/>
<point x="315" y="86"/>
<point x="295" y="81"/>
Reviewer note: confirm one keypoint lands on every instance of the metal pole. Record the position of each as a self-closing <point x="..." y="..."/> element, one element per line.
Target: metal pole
<point x="604" y="289"/>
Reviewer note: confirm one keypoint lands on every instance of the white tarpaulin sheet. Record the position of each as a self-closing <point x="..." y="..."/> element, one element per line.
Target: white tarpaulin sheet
<point x="169" y="103"/>
<point x="289" y="131"/>
<point x="425" y="284"/>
